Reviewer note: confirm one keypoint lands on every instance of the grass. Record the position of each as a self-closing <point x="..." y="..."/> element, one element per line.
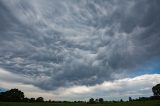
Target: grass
<point x="135" y="103"/>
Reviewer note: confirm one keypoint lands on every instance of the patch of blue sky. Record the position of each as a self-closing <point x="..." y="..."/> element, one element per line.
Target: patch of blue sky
<point x="150" y="67"/>
<point x="3" y="89"/>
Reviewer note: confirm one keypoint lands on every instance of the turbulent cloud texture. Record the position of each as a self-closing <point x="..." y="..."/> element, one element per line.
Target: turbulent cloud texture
<point x="77" y="42"/>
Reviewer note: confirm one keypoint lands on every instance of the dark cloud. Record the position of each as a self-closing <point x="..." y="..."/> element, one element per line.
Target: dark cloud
<point x="61" y="44"/>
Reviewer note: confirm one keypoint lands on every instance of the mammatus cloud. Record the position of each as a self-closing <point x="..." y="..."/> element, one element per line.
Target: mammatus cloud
<point x="77" y="43"/>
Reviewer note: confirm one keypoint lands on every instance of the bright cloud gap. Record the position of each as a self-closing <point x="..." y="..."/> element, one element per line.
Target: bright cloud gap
<point x="110" y="90"/>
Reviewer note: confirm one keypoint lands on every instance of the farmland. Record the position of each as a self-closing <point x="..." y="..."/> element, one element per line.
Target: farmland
<point x="134" y="103"/>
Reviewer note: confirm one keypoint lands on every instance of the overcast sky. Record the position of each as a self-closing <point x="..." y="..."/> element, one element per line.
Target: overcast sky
<point x="78" y="49"/>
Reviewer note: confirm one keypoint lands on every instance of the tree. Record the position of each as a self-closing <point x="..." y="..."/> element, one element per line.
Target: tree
<point x="156" y="90"/>
<point x="101" y="100"/>
<point x="91" y="100"/>
<point x="40" y="99"/>
<point x="96" y="100"/>
<point x="130" y="99"/>
<point x="26" y="99"/>
<point x="49" y="101"/>
<point x="32" y="100"/>
<point x="13" y="95"/>
<point x="121" y="100"/>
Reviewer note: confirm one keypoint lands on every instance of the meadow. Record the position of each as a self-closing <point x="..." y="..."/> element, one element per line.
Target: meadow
<point x="134" y="103"/>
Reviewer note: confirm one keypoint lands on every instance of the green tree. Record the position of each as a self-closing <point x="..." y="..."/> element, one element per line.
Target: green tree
<point x="130" y="99"/>
<point x="13" y="95"/>
<point x="101" y="100"/>
<point x="96" y="100"/>
<point x="32" y="100"/>
<point x="40" y="99"/>
<point x="91" y="100"/>
<point x="156" y="90"/>
<point x="121" y="100"/>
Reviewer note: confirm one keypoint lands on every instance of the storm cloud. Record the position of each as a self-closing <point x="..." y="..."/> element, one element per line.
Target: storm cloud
<point x="67" y="43"/>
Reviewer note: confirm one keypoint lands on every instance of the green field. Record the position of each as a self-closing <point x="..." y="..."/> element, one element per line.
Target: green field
<point x="138" y="103"/>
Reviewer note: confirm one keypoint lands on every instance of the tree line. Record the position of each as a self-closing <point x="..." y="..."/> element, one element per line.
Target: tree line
<point x="15" y="95"/>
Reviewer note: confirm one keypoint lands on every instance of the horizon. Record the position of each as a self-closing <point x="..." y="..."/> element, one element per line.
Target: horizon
<point x="76" y="50"/>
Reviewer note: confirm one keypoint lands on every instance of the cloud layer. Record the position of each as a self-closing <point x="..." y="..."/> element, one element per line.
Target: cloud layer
<point x="73" y="43"/>
<point x="110" y="90"/>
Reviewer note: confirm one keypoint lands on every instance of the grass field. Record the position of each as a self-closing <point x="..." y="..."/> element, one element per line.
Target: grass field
<point x="138" y="103"/>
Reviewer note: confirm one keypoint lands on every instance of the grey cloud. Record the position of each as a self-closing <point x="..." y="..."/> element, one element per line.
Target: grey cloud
<point x="77" y="42"/>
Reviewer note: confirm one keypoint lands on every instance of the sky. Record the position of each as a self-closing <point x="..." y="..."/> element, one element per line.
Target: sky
<point x="78" y="49"/>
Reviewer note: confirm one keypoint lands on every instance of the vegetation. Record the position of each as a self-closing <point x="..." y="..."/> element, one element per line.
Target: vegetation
<point x="133" y="103"/>
<point x="156" y="90"/>
<point x="13" y="95"/>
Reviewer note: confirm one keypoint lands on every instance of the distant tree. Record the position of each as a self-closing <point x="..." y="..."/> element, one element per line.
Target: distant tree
<point x="49" y="101"/>
<point x="40" y="99"/>
<point x="96" y="100"/>
<point x="144" y="98"/>
<point x="13" y="95"/>
<point x="101" y="100"/>
<point x="130" y="99"/>
<point x="26" y="99"/>
<point x="91" y="100"/>
<point x="32" y="100"/>
<point x="156" y="90"/>
<point x="121" y="100"/>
